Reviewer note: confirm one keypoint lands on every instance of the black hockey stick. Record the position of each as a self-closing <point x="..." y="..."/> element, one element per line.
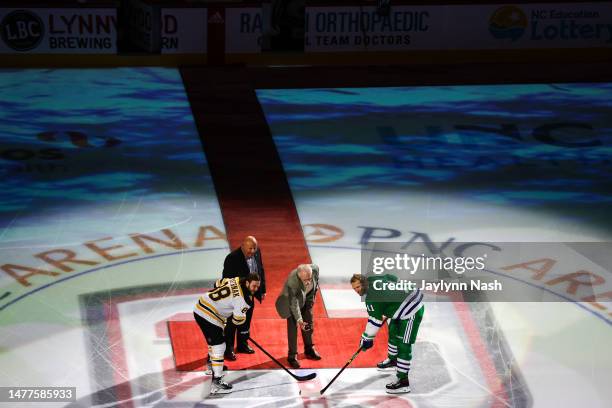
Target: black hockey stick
<point x="297" y="377"/>
<point x="340" y="372"/>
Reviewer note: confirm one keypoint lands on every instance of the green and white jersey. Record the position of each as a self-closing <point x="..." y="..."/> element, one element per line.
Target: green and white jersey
<point x="385" y="303"/>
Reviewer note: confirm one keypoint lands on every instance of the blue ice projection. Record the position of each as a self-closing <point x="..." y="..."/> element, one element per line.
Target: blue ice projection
<point x="534" y="145"/>
<point x="93" y="139"/>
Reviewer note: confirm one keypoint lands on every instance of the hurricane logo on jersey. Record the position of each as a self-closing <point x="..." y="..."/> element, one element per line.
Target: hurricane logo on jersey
<point x="508" y="22"/>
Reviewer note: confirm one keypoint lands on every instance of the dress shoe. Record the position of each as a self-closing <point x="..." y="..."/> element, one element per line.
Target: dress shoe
<point x="229" y="355"/>
<point x="293" y="362"/>
<point x="245" y="349"/>
<point x="312" y="354"/>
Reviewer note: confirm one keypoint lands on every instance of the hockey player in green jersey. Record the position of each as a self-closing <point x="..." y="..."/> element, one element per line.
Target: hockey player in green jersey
<point x="404" y="311"/>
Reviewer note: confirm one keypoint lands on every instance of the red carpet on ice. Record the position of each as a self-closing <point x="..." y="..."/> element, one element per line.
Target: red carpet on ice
<point x="266" y="210"/>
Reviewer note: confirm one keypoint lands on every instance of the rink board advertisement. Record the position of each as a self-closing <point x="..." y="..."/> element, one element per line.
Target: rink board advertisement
<point x="327" y="28"/>
<point x="167" y="30"/>
<point x="447" y="27"/>
<point x="184" y="30"/>
<point x="243" y="30"/>
<point x="94" y="31"/>
<point x="59" y="30"/>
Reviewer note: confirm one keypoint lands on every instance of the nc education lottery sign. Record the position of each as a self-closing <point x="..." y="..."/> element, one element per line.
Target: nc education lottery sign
<point x="62" y="30"/>
<point x="571" y="25"/>
<point x="578" y="25"/>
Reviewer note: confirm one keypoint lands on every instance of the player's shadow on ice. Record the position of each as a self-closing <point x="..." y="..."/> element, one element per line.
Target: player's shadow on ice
<point x="363" y="384"/>
<point x="252" y="375"/>
<point x="151" y="389"/>
<point x="271" y="365"/>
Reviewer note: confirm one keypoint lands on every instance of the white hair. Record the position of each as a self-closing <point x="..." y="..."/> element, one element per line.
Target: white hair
<point x="304" y="268"/>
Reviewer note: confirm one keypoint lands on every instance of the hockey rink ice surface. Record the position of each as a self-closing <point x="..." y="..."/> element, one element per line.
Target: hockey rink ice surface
<point x="106" y="167"/>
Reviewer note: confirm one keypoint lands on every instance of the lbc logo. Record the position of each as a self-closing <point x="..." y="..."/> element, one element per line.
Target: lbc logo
<point x="22" y="30"/>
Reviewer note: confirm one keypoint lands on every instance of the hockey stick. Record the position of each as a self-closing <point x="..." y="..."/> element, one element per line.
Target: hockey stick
<point x="297" y="377"/>
<point x="340" y="372"/>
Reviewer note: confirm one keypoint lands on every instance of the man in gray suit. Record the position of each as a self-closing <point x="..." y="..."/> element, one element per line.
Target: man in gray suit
<point x="295" y="304"/>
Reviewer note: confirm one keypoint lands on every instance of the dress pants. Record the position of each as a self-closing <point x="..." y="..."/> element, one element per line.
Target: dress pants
<point x="292" y="329"/>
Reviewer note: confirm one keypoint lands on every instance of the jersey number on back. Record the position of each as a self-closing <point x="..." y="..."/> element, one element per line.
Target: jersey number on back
<point x="220" y="293"/>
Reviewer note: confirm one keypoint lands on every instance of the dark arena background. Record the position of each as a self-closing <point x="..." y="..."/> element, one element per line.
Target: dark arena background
<point x="142" y="140"/>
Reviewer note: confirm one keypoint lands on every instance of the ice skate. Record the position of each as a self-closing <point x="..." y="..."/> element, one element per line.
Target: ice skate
<point x="401" y="386"/>
<point x="386" y="365"/>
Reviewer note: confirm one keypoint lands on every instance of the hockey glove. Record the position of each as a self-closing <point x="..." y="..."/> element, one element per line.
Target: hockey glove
<point x="366" y="343"/>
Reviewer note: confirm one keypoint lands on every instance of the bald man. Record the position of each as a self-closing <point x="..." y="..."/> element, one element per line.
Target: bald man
<point x="239" y="263"/>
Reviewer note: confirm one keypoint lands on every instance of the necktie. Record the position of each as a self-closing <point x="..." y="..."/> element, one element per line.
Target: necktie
<point x="252" y="265"/>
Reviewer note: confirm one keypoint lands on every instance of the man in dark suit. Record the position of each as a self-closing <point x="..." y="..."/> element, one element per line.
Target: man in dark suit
<point x="239" y="263"/>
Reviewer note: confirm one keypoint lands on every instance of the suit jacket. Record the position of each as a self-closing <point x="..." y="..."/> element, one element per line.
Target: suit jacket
<point x="235" y="265"/>
<point x="293" y="297"/>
